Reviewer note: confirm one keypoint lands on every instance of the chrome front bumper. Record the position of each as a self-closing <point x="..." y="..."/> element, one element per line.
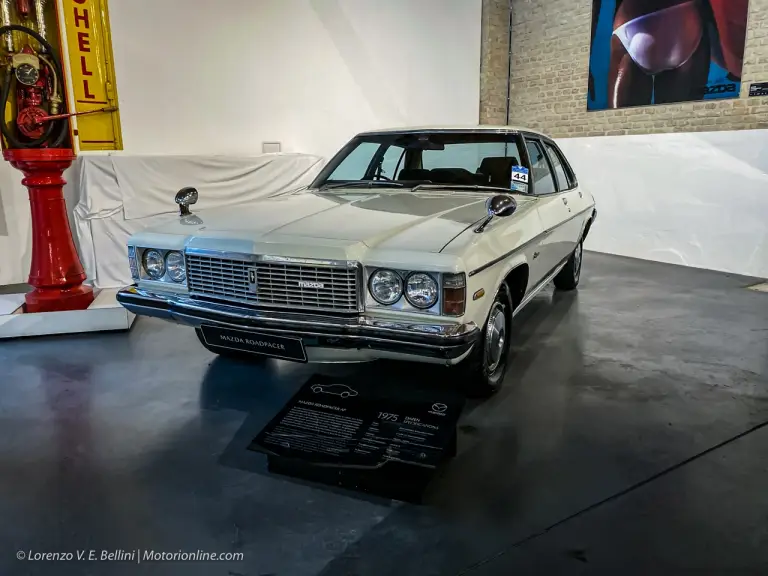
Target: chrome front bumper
<point x="325" y="338"/>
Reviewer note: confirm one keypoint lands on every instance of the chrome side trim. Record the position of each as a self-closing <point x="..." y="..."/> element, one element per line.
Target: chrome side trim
<point x="503" y="257"/>
<point x="525" y="244"/>
<point x="543" y="284"/>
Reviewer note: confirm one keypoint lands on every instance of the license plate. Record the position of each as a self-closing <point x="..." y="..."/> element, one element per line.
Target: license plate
<point x="256" y="343"/>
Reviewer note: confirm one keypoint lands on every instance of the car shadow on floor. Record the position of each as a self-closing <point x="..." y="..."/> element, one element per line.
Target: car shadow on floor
<point x="263" y="389"/>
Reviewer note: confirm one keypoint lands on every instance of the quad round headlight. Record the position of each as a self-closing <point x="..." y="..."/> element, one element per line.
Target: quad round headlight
<point x="386" y="287"/>
<point x="177" y="269"/>
<point x="421" y="290"/>
<point x="154" y="264"/>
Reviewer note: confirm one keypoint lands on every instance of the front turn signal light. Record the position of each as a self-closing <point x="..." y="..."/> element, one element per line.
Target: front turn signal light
<point x="454" y="294"/>
<point x="133" y="262"/>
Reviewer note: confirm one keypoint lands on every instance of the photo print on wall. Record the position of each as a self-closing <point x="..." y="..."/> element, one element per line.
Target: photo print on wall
<point x="647" y="52"/>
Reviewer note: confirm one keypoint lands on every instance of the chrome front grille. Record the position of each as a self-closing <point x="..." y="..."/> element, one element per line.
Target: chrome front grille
<point x="279" y="283"/>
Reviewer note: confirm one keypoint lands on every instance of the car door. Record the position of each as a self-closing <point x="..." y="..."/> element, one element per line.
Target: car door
<point x="571" y="194"/>
<point x="553" y="210"/>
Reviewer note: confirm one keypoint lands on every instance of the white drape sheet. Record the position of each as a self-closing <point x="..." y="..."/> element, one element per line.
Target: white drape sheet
<point x="120" y="195"/>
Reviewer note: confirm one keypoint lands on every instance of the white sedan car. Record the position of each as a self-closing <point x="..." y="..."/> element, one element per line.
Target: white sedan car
<point x="417" y="244"/>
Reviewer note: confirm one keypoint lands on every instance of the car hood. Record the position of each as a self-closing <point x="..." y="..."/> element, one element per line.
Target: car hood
<point x="401" y="220"/>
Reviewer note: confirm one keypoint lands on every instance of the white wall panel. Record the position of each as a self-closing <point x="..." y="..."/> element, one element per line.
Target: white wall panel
<point x="196" y="76"/>
<point x="221" y="77"/>
<point x="696" y="199"/>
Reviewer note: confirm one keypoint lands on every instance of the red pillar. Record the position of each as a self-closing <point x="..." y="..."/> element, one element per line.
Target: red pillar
<point x="56" y="273"/>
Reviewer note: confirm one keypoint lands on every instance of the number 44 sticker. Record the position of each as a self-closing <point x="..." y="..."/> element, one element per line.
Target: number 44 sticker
<point x="520" y="174"/>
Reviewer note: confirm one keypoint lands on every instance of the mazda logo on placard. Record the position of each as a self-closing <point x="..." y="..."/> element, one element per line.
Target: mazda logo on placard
<point x="439" y="407"/>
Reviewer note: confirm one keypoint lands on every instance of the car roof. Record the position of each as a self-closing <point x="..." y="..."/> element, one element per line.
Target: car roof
<point x="479" y="129"/>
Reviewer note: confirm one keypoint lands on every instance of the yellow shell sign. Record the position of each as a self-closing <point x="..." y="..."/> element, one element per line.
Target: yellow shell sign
<point x="89" y="53"/>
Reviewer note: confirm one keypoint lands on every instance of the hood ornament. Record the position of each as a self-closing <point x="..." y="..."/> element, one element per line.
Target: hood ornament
<point x="185" y="198"/>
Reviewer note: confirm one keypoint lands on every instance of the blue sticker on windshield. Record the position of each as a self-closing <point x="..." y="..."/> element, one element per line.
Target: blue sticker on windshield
<point x="520" y="174"/>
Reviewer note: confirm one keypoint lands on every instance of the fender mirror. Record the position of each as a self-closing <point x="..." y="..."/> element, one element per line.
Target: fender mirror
<point x="185" y="198"/>
<point x="501" y="206"/>
<point x="498" y="207"/>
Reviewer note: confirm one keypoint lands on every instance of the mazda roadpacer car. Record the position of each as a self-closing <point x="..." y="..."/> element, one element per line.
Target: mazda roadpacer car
<point x="416" y="244"/>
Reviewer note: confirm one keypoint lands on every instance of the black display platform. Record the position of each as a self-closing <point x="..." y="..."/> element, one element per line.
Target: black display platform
<point x="383" y="438"/>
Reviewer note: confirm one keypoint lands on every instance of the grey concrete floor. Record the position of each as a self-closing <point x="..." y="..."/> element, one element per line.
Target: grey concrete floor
<point x="628" y="440"/>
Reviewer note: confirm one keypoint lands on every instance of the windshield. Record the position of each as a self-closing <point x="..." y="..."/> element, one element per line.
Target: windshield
<point x="473" y="159"/>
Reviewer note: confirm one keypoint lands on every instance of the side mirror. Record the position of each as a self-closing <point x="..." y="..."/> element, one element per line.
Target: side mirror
<point x="501" y="206"/>
<point x="185" y="198"/>
<point x="498" y="207"/>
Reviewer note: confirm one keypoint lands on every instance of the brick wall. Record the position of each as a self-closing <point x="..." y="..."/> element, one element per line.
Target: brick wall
<point x="550" y="67"/>
<point x="494" y="66"/>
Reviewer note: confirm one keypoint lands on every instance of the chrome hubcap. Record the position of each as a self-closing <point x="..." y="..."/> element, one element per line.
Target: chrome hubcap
<point x="495" y="337"/>
<point x="577" y="262"/>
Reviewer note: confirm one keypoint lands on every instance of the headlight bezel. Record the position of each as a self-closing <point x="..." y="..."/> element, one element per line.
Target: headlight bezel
<point x="403" y="304"/>
<point x="411" y="299"/>
<point x="164" y="282"/>
<point x="396" y="276"/>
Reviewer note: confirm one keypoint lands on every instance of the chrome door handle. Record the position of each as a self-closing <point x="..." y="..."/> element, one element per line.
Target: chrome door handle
<point x="565" y="201"/>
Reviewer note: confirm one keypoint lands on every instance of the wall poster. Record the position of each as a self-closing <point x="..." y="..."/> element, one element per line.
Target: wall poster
<point x="663" y="51"/>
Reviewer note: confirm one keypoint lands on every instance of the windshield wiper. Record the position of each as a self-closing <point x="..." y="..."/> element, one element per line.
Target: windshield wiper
<point x="463" y="187"/>
<point x="362" y="184"/>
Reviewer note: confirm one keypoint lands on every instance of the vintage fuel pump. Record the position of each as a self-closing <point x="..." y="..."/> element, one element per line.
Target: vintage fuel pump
<point x="34" y="79"/>
<point x="37" y="139"/>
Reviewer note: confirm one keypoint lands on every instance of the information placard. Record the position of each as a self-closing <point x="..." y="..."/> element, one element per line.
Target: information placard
<point x="339" y="423"/>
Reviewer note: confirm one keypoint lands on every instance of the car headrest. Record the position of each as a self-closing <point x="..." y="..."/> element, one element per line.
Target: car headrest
<point x="456" y="176"/>
<point x="414" y="174"/>
<point x="498" y="169"/>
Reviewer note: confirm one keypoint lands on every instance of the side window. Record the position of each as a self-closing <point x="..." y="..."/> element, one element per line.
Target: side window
<point x="564" y="181"/>
<point x="356" y="163"/>
<point x="392" y="161"/>
<point x="542" y="177"/>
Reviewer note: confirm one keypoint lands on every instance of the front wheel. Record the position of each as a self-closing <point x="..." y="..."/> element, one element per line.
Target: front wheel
<point x="482" y="374"/>
<point x="227" y="353"/>
<point x="569" y="276"/>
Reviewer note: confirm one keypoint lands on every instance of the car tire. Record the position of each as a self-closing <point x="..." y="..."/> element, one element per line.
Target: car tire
<point x="569" y="276"/>
<point x="482" y="373"/>
<point x="226" y="353"/>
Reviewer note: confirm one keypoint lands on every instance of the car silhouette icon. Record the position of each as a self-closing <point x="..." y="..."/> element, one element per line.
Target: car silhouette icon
<point x="335" y="389"/>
